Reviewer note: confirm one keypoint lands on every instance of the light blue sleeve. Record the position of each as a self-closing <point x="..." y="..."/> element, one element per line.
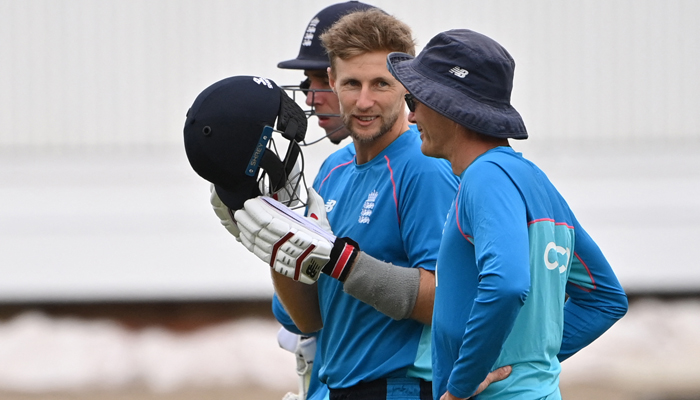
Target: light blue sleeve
<point x="596" y="298"/>
<point x="499" y="224"/>
<point x="423" y="216"/>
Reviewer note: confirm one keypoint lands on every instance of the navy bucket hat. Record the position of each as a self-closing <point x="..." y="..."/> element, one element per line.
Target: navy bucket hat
<point x="465" y="76"/>
<point x="312" y="55"/>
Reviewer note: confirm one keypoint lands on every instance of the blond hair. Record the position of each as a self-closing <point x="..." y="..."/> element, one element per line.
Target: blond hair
<point x="366" y="31"/>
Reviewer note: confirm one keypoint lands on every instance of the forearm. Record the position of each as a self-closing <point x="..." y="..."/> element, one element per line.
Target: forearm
<point x="395" y="291"/>
<point x="500" y="297"/>
<point x="299" y="253"/>
<point x="585" y="323"/>
<point x="300" y="301"/>
<point x="423" y="309"/>
<point x="596" y="298"/>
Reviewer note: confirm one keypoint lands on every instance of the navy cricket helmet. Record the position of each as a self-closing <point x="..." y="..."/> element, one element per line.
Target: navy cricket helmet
<point x="229" y="139"/>
<point x="312" y="55"/>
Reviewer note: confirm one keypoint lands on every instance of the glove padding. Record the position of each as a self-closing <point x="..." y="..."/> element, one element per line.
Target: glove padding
<point x="293" y="246"/>
<point x="224" y="213"/>
<point x="316" y="209"/>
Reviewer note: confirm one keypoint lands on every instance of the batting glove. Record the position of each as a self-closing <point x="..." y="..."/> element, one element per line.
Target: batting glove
<point x="316" y="210"/>
<point x="292" y="245"/>
<point x="224" y="213"/>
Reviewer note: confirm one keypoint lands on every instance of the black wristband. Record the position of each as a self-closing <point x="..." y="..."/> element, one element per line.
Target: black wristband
<point x="343" y="255"/>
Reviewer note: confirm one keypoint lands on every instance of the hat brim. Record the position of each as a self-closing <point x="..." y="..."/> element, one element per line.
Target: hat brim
<point x="304" y="64"/>
<point x="498" y="121"/>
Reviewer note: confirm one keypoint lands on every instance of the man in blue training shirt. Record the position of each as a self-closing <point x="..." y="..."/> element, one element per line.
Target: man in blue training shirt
<point x="512" y="250"/>
<point x="370" y="344"/>
<point x="374" y="306"/>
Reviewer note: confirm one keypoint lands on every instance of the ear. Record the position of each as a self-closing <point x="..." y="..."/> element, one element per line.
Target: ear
<point x="331" y="78"/>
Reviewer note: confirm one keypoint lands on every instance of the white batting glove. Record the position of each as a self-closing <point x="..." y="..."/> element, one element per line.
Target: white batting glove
<point x="224" y="213"/>
<point x="316" y="210"/>
<point x="304" y="348"/>
<point x="293" y="246"/>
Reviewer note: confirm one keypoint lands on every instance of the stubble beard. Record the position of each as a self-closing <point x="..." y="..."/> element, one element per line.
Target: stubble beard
<point x="383" y="129"/>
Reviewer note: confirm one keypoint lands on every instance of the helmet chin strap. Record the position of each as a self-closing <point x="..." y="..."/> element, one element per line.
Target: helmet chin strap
<point x="304" y="87"/>
<point x="304" y="144"/>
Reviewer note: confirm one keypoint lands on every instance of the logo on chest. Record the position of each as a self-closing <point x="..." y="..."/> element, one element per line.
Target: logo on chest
<point x="368" y="208"/>
<point x="330" y="204"/>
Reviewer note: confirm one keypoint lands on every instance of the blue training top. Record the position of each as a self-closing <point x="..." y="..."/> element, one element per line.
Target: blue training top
<point x="394" y="206"/>
<point x="511" y="252"/>
<point x="316" y="390"/>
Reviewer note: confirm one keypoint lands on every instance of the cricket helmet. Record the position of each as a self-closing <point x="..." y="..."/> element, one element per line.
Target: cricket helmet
<point x="312" y="55"/>
<point x="229" y="140"/>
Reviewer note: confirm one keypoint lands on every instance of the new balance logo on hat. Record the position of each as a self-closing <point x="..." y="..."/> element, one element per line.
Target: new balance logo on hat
<point x="460" y="72"/>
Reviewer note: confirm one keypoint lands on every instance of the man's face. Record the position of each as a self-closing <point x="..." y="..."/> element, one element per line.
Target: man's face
<point x="371" y="100"/>
<point x="325" y="103"/>
<point x="436" y="131"/>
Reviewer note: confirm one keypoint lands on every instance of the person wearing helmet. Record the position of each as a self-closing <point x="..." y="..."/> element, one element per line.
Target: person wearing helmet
<point x="313" y="60"/>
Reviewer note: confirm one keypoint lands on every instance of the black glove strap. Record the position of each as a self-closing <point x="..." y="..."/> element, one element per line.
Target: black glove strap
<point x="343" y="256"/>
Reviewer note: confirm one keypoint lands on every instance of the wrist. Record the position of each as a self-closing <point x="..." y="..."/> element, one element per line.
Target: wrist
<point x="342" y="258"/>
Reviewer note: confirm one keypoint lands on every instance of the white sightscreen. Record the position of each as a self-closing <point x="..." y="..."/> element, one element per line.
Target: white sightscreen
<point x="97" y="198"/>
